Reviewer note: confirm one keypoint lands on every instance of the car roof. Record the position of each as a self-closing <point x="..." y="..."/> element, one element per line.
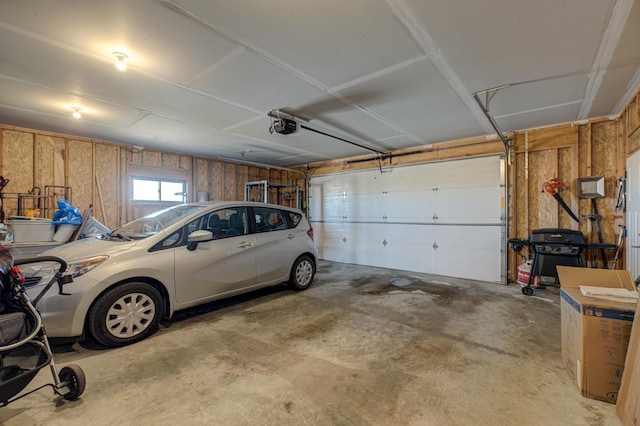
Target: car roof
<point x="222" y="204"/>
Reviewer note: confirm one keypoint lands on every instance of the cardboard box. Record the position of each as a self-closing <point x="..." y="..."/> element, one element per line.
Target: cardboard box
<point x="595" y="331"/>
<point x="628" y="404"/>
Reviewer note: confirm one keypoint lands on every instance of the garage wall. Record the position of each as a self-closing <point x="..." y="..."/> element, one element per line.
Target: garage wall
<point x="98" y="173"/>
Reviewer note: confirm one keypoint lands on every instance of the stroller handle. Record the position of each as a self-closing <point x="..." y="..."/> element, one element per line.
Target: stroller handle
<point x="38" y="259"/>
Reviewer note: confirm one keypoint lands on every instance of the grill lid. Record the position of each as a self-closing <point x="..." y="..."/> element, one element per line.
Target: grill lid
<point x="558" y="236"/>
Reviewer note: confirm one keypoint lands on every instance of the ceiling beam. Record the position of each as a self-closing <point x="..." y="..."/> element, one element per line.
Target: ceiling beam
<point x="407" y="17"/>
<point x="607" y="47"/>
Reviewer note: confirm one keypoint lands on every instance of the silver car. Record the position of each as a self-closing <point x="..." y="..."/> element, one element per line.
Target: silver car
<point x="126" y="281"/>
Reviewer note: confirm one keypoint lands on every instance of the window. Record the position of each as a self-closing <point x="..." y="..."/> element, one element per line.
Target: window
<point x="159" y="190"/>
<point x="270" y="219"/>
<point x="224" y="223"/>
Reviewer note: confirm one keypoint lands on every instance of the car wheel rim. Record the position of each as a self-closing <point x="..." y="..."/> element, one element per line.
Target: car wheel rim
<point x="130" y="315"/>
<point x="304" y="272"/>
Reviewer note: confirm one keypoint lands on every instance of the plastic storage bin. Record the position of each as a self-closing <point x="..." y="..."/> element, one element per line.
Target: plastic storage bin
<point x="29" y="229"/>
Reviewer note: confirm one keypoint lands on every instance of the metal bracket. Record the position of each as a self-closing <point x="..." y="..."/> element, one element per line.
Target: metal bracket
<point x="484" y="106"/>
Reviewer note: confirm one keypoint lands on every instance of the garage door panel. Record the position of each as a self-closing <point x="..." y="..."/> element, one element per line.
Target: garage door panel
<point x="469" y="205"/>
<point x="392" y="246"/>
<point x="479" y="264"/>
<point x="333" y="242"/>
<point x="444" y="218"/>
<point x="478" y="248"/>
<point x="411" y="206"/>
<point x="456" y="173"/>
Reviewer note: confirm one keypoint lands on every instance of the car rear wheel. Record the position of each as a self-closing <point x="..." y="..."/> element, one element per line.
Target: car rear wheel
<point x="126" y="314"/>
<point x="302" y="273"/>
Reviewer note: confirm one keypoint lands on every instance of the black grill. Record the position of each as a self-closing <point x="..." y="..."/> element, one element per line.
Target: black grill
<point x="553" y="247"/>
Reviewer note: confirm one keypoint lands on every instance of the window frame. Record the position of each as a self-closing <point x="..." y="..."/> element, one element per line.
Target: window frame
<point x="159" y="181"/>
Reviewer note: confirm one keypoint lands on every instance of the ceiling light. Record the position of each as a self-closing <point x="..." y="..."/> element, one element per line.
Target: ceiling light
<point x="120" y="63"/>
<point x="76" y="112"/>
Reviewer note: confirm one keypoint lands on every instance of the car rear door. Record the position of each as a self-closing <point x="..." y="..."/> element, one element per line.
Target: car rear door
<point x="277" y="246"/>
<point x="225" y="265"/>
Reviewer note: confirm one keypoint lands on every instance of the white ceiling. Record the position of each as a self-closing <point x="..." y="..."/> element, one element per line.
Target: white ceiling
<point x="385" y="74"/>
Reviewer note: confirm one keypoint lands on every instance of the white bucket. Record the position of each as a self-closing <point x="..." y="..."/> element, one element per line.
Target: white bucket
<point x="63" y="233"/>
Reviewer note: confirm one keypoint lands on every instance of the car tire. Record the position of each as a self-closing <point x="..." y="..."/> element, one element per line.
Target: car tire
<point x="126" y="314"/>
<point x="302" y="273"/>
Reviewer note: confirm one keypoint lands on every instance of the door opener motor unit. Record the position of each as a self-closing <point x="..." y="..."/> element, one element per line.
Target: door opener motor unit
<point x="284" y="126"/>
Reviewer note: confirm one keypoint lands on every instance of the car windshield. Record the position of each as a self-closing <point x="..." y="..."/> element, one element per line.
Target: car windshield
<point x="153" y="223"/>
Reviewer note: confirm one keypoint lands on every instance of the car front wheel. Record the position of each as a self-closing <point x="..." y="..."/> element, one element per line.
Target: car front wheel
<point x="126" y="314"/>
<point x="302" y="273"/>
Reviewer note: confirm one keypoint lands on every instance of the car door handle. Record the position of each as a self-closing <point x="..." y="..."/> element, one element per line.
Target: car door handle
<point x="290" y="236"/>
<point x="245" y="244"/>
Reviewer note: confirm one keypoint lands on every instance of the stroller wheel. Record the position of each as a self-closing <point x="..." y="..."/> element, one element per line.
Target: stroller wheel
<point x="73" y="377"/>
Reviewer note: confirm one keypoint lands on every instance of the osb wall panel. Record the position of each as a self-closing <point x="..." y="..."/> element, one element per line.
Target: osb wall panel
<point x="105" y="207"/>
<point x="125" y="205"/>
<point x="542" y="207"/>
<point x="80" y="176"/>
<point x="230" y="187"/>
<point x="170" y="161"/>
<point x="151" y="158"/>
<point x="604" y="154"/>
<point x="50" y="161"/>
<point x="17" y="166"/>
<point x="567" y="171"/>
<point x="242" y="177"/>
<point x="633" y="114"/>
<point x="217" y="181"/>
<point x="201" y="176"/>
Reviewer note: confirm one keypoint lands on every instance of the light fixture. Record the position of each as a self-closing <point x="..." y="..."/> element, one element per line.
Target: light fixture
<point x="76" y="112"/>
<point x="120" y="63"/>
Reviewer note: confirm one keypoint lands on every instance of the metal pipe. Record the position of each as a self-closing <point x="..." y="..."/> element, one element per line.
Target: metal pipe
<point x="491" y="120"/>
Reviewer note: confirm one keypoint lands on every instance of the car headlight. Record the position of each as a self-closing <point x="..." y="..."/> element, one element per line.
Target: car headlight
<point x="76" y="269"/>
<point x="39" y="273"/>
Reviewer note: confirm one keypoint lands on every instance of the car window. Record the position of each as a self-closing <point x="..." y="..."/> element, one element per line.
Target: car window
<point x="294" y="219"/>
<point x="268" y="219"/>
<point x="225" y="223"/>
<point x="155" y="222"/>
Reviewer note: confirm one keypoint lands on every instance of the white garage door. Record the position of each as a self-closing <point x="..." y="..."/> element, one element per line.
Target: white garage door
<point x="443" y="218"/>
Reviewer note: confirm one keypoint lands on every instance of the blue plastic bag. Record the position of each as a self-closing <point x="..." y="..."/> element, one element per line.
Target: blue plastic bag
<point x="66" y="214"/>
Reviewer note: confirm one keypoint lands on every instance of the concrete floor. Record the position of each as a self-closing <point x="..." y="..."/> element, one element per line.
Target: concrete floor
<point x="362" y="346"/>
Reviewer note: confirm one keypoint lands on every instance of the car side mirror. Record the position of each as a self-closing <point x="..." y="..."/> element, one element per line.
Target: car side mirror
<point x="198" y="237"/>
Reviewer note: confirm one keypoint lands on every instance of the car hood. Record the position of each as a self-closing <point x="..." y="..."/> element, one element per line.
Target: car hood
<point x="89" y="247"/>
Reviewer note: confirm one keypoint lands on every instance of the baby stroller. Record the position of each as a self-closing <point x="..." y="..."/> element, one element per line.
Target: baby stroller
<point x="24" y="347"/>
